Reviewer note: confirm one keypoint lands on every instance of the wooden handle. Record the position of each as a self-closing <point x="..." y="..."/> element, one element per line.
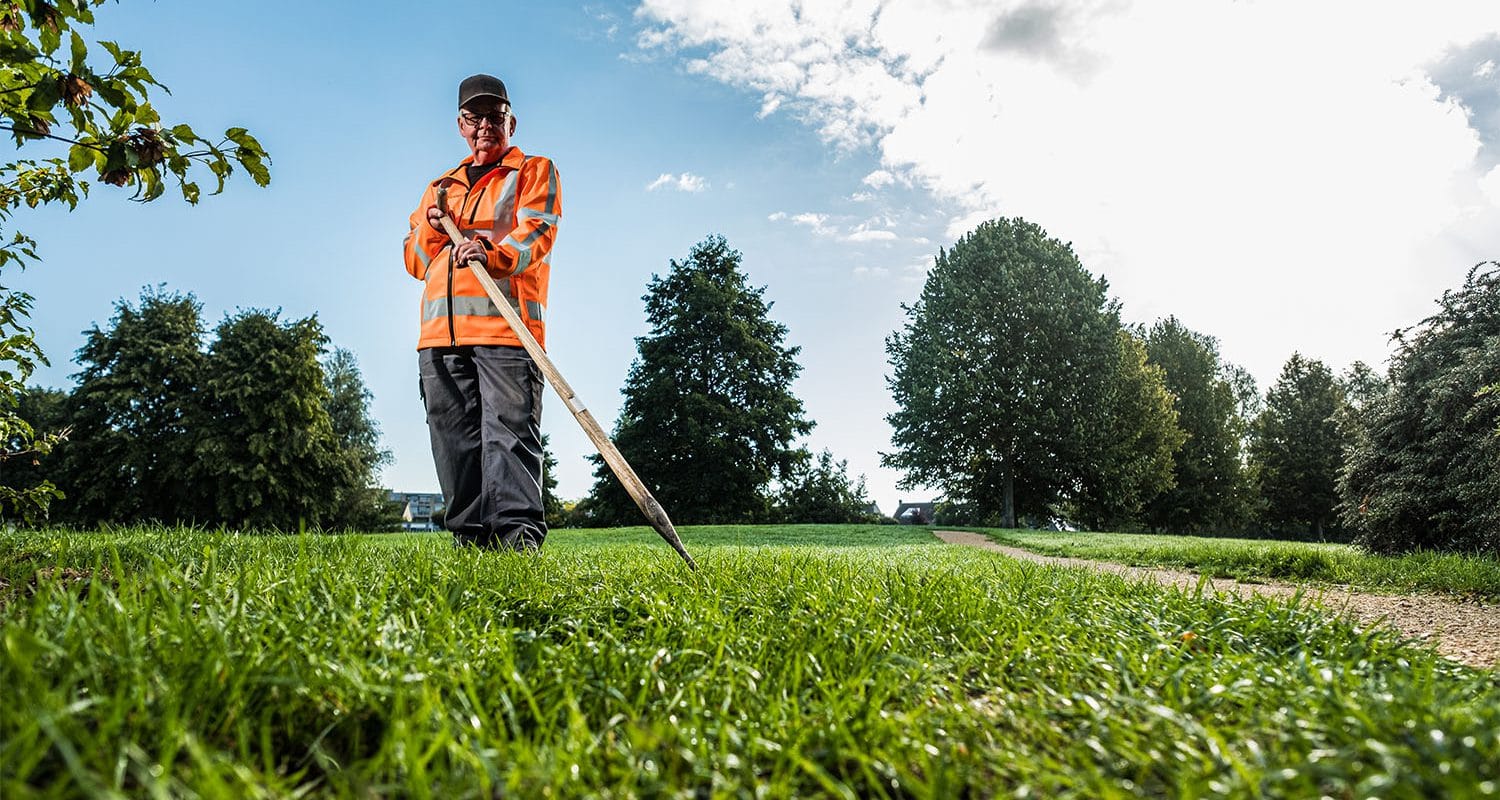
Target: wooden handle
<point x="655" y="514"/>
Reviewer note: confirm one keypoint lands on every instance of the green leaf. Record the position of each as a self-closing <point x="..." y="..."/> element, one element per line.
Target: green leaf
<point x="49" y="38"/>
<point x="46" y="94"/>
<point x="111" y="93"/>
<point x="243" y="138"/>
<point x="80" y="53"/>
<point x="255" y="167"/>
<point x="80" y="157"/>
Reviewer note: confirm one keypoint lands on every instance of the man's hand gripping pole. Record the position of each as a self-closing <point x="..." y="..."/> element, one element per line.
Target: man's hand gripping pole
<point x="637" y="490"/>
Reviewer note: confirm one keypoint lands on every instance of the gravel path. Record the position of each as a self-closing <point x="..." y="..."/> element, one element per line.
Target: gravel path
<point x="1466" y="631"/>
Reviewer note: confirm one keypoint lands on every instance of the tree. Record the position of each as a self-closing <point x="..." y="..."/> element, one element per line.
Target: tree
<point x="134" y="415"/>
<point x="819" y="491"/>
<point x="83" y="119"/>
<point x="1423" y="471"/>
<point x="1211" y="489"/>
<point x="1000" y="370"/>
<point x="1362" y="386"/>
<point x="1132" y="454"/>
<point x="1296" y="447"/>
<point x="23" y="476"/>
<point x="252" y="431"/>
<point x="266" y="448"/>
<point x="552" y="505"/>
<point x="360" y="503"/>
<point x="709" y="412"/>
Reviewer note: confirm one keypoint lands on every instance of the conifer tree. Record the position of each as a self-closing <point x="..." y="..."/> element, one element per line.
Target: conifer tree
<point x="709" y="414"/>
<point x="1296" y="448"/>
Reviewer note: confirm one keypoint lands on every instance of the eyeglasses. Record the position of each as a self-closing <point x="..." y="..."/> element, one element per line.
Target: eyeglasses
<point x="495" y="118"/>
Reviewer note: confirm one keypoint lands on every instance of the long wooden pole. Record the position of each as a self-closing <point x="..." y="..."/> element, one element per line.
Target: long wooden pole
<point x="655" y="514"/>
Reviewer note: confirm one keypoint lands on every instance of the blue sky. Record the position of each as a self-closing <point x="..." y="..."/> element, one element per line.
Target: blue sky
<point x="1208" y="158"/>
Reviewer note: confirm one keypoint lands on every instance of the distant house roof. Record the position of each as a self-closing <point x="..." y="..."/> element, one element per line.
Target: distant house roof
<point x="914" y="513"/>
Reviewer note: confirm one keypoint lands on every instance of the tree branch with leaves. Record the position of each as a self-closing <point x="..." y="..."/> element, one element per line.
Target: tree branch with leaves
<point x="85" y="116"/>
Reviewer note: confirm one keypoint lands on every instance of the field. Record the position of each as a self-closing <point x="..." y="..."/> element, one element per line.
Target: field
<point x="800" y="661"/>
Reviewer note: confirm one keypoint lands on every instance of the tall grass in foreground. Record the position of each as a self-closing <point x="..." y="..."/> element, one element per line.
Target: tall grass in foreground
<point x="1258" y="558"/>
<point x="842" y="662"/>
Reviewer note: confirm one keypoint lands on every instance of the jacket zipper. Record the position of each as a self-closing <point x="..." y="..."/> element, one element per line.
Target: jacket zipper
<point x="452" y="335"/>
<point x="452" y="266"/>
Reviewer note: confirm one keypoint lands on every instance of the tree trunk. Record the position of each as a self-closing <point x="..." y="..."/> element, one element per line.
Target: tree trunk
<point x="1009" y="512"/>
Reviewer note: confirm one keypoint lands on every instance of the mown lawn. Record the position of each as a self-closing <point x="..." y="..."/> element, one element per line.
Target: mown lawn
<point x="1446" y="573"/>
<point x="800" y="661"/>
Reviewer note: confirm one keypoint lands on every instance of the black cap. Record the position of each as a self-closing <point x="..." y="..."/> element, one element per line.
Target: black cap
<point x="477" y="86"/>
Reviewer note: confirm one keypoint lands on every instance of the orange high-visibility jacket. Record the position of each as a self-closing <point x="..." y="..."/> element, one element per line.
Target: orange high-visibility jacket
<point x="516" y="207"/>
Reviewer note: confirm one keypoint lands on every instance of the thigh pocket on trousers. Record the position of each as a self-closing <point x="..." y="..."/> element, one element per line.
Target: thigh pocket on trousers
<point x="516" y="395"/>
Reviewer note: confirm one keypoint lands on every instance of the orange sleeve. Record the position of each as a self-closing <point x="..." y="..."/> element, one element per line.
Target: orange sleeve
<point x="423" y="242"/>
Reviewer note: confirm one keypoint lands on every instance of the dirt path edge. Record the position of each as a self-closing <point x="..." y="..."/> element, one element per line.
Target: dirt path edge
<point x="1466" y="631"/>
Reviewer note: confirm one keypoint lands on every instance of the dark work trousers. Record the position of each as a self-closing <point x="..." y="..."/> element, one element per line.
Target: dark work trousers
<point x="484" y="414"/>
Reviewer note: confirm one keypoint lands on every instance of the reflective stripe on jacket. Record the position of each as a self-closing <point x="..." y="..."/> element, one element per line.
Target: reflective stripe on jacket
<point x="516" y="207"/>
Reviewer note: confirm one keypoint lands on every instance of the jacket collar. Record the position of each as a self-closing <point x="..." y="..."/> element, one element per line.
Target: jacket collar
<point x="510" y="160"/>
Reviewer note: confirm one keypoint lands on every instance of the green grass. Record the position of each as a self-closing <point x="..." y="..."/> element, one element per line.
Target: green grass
<point x="803" y="661"/>
<point x="1309" y="562"/>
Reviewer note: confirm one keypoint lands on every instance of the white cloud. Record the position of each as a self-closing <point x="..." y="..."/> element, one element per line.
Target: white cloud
<point x="768" y="105"/>
<point x="686" y="182"/>
<point x="652" y="39"/>
<point x="863" y="234"/>
<point x="1490" y="186"/>
<point x="820" y="225"/>
<point x="814" y="221"/>
<point x="1239" y="176"/>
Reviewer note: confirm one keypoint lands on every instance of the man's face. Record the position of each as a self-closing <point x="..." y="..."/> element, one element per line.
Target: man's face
<point x="486" y="125"/>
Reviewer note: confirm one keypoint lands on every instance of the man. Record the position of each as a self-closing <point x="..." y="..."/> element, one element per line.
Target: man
<point x="482" y="391"/>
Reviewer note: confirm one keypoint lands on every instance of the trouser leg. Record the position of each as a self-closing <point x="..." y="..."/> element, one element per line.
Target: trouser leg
<point x="511" y="450"/>
<point x="484" y="418"/>
<point x="450" y="392"/>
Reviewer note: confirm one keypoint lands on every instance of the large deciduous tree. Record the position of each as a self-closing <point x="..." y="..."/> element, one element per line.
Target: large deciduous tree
<point x="709" y="413"/>
<point x="76" y="115"/>
<point x="266" y="449"/>
<point x="1131" y="458"/>
<point x="134" y="415"/>
<point x="1423" y="471"/>
<point x="1211" y="489"/>
<point x="1000" y="372"/>
<point x="1297" y="447"/>
<point x="253" y="431"/>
